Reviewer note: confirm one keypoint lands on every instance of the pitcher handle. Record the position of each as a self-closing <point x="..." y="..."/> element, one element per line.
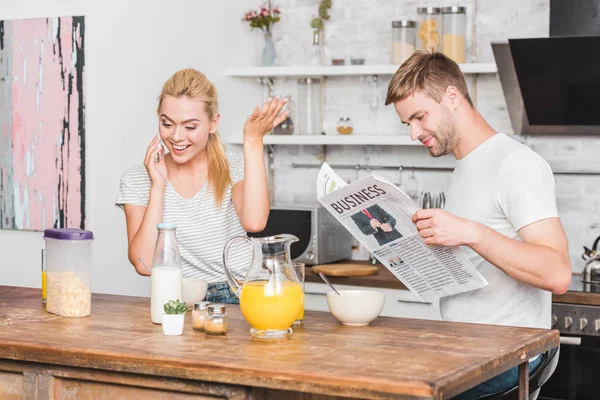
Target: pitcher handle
<point x="234" y="283"/>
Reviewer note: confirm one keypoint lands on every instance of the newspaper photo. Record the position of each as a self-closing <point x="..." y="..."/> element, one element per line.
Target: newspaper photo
<point x="379" y="216"/>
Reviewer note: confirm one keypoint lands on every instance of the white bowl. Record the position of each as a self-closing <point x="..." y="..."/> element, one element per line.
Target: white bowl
<point x="194" y="291"/>
<point x="355" y="307"/>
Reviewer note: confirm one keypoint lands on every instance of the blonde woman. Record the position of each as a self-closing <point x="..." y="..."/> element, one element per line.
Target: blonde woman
<point x="209" y="194"/>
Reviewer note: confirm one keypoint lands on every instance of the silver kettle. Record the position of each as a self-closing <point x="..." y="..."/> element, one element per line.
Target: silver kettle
<point x="591" y="272"/>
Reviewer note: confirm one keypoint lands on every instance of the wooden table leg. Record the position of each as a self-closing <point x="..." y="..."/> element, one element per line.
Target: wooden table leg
<point x="524" y="381"/>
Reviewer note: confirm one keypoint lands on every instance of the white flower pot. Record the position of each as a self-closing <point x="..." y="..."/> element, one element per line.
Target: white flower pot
<point x="172" y="324"/>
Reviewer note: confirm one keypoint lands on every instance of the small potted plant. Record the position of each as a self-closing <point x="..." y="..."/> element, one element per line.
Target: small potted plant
<point x="174" y="317"/>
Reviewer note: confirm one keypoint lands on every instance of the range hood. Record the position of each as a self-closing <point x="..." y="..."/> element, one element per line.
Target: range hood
<point x="551" y="85"/>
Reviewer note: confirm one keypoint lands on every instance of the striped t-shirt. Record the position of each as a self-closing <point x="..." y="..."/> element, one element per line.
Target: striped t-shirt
<point x="202" y="227"/>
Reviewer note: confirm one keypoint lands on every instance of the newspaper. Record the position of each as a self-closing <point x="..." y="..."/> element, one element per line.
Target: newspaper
<point x="379" y="216"/>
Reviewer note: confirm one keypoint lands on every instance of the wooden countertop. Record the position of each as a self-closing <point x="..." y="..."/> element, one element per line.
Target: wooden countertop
<point x="390" y="358"/>
<point x="383" y="279"/>
<point x="579" y="293"/>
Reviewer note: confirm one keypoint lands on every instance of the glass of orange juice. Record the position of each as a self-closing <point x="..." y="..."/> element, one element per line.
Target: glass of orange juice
<point x="271" y="307"/>
<point x="43" y="278"/>
<point x="299" y="268"/>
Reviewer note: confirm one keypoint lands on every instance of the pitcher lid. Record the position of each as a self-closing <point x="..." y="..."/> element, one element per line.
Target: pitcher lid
<point x="68" y="234"/>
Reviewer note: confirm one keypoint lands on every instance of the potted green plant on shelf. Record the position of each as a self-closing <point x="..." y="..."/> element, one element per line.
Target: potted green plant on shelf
<point x="174" y="317"/>
<point x="264" y="18"/>
<point x="318" y="54"/>
<point x="317" y="23"/>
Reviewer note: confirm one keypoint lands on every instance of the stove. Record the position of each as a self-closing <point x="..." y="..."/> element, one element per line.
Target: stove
<point x="576" y="315"/>
<point x="578" y="311"/>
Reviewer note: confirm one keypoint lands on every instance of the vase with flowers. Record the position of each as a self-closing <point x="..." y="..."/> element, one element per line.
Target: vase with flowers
<point x="264" y="18"/>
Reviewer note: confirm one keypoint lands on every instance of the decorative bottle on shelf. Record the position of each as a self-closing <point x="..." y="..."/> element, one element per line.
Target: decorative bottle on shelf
<point x="268" y="52"/>
<point x="316" y="51"/>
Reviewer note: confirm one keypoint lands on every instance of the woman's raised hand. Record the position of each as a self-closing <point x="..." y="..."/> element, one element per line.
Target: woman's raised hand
<point x="262" y="120"/>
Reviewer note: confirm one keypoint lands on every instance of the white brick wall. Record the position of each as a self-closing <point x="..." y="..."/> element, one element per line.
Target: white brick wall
<point x="365" y="25"/>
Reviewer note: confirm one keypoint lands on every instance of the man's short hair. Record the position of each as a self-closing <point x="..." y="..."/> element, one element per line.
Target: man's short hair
<point x="430" y="73"/>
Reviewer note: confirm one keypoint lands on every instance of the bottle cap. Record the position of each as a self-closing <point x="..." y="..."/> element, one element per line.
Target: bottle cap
<point x="202" y="306"/>
<point x="216" y="308"/>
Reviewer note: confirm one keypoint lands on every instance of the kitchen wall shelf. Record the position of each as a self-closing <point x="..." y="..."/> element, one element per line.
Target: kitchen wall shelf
<point x="341" y="70"/>
<point x="336" y="140"/>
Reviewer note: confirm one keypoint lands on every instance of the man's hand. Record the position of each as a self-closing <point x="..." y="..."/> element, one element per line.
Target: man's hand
<point x="375" y="224"/>
<point x="440" y="227"/>
<point x="386" y="227"/>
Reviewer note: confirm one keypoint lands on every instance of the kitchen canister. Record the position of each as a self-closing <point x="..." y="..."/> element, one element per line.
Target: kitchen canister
<point x="454" y="26"/>
<point x="309" y="121"/>
<point x="429" y="30"/>
<point x="68" y="271"/>
<point x="403" y="40"/>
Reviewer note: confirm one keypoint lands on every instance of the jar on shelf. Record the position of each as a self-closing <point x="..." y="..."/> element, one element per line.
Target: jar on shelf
<point x="309" y="107"/>
<point x="216" y="321"/>
<point x="403" y="40"/>
<point x="430" y="28"/>
<point x="287" y="126"/>
<point x="455" y="28"/>
<point x="344" y="126"/>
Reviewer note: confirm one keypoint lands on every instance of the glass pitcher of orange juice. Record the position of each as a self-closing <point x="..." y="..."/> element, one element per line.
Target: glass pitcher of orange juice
<point x="271" y="295"/>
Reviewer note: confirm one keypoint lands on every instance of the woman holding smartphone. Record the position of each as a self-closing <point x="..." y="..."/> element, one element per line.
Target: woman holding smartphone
<point x="209" y="194"/>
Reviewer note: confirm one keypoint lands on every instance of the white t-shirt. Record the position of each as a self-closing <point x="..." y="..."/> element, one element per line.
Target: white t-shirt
<point x="505" y="185"/>
<point x="202" y="227"/>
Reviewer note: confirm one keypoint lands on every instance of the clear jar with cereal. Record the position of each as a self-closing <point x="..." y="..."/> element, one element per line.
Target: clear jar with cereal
<point x="455" y="28"/>
<point x="430" y="28"/>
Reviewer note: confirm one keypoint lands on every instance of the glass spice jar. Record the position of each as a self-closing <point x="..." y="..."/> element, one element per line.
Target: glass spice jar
<point x="344" y="126"/>
<point x="199" y="315"/>
<point x="216" y="321"/>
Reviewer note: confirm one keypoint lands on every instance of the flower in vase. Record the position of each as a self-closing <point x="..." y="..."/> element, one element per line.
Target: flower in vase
<point x="263" y="18"/>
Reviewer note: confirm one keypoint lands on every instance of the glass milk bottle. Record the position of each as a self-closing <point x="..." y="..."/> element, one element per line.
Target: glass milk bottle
<point x="166" y="280"/>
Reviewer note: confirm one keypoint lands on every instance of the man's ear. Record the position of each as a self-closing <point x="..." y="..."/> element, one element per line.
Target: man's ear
<point x="454" y="97"/>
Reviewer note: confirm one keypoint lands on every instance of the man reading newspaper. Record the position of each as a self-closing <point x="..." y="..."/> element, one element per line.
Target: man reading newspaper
<point x="501" y="206"/>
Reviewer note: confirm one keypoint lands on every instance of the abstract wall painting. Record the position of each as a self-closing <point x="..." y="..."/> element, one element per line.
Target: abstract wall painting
<point x="42" y="123"/>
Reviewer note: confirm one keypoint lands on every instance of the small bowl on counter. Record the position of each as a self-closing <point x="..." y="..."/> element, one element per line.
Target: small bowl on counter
<point x="194" y="291"/>
<point x="355" y="307"/>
